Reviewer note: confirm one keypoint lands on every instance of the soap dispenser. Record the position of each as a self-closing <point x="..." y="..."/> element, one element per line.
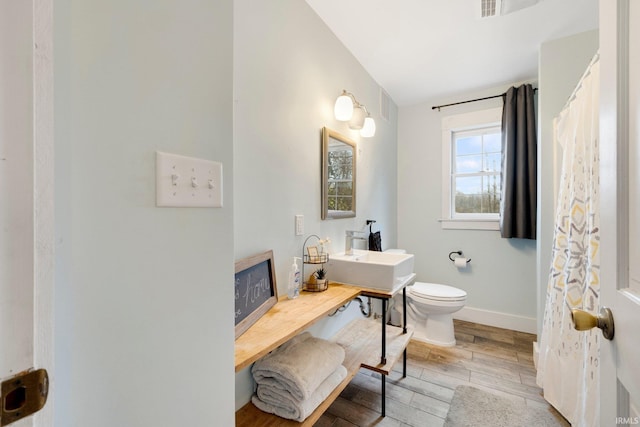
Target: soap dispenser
<point x="293" y="285"/>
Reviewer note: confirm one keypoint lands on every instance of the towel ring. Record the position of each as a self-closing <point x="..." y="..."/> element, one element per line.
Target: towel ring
<point x="459" y="253"/>
<point x="369" y="222"/>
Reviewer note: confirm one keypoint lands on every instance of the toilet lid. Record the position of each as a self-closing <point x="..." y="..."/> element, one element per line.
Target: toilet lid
<point x="437" y="292"/>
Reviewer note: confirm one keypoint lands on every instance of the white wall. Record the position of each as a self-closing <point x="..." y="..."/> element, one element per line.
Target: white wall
<point x="561" y="64"/>
<point x="144" y="330"/>
<point x="288" y="70"/>
<point x="500" y="280"/>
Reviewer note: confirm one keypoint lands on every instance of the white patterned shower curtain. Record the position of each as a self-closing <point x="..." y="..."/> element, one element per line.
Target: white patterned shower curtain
<point x="568" y="360"/>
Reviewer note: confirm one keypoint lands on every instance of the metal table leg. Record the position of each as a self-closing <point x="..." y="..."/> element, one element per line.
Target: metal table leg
<point x="383" y="357"/>
<point x="384" y="382"/>
<point x="404" y="330"/>
<point x="404" y="310"/>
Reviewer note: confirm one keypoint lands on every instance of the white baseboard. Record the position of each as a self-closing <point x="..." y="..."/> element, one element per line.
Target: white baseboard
<point x="497" y="319"/>
<point x="536" y="354"/>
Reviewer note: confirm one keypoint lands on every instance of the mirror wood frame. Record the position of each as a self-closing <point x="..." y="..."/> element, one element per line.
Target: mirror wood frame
<point x="327" y="136"/>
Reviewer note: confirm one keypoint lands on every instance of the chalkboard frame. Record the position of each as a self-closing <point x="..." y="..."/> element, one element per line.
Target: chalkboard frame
<point x="244" y="265"/>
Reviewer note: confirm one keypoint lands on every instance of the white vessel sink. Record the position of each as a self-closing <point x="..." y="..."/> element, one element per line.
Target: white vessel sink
<point x="371" y="269"/>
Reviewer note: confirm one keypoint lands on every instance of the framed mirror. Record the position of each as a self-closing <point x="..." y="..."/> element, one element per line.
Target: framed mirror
<point x="338" y="175"/>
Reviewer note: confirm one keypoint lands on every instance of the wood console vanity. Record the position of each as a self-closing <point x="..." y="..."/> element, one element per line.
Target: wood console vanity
<point x="367" y="343"/>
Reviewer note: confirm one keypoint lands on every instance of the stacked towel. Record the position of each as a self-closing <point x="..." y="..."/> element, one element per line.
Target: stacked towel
<point x="297" y="376"/>
<point x="281" y="402"/>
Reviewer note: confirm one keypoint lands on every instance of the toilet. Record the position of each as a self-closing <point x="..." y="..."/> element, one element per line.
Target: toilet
<point x="429" y="308"/>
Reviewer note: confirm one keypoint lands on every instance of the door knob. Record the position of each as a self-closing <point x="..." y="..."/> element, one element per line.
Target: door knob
<point x="583" y="321"/>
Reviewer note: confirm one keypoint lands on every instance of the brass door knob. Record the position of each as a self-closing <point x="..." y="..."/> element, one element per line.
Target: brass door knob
<point x="583" y="321"/>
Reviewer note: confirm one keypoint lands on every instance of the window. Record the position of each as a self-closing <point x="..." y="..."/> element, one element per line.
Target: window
<point x="472" y="161"/>
<point x="475" y="173"/>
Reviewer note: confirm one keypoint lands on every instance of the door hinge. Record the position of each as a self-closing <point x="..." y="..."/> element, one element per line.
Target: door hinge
<point x="23" y="395"/>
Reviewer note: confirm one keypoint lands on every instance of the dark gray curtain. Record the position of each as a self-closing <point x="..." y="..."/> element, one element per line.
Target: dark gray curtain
<point x="519" y="164"/>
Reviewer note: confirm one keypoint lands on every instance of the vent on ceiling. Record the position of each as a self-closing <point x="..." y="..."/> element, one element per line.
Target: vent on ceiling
<point x="489" y="8"/>
<point x="384" y="105"/>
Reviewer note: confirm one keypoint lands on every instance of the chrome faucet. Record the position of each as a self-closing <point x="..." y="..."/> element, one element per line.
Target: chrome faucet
<point x="348" y="242"/>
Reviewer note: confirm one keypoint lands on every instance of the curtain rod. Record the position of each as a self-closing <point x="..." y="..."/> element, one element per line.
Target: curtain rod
<point x="438" y="107"/>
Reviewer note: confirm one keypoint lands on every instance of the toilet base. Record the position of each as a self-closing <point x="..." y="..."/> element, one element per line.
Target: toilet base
<point x="436" y="330"/>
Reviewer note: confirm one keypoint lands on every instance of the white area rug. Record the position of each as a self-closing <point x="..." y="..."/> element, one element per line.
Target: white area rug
<point x="472" y="407"/>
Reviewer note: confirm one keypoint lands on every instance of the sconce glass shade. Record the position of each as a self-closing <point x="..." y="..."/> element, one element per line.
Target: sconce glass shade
<point x="357" y="119"/>
<point x="369" y="128"/>
<point x="343" y="110"/>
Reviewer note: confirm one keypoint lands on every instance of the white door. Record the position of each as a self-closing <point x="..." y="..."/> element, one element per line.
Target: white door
<point x="26" y="195"/>
<point x="620" y="209"/>
<point x="16" y="191"/>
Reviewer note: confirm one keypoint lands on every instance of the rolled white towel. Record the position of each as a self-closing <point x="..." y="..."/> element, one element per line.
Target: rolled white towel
<point x="300" y="365"/>
<point x="281" y="403"/>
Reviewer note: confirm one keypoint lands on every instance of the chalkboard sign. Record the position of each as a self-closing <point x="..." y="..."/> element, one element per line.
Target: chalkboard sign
<point x="255" y="289"/>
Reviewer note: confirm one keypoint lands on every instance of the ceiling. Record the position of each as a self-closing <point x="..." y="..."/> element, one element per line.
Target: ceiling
<point x="420" y="50"/>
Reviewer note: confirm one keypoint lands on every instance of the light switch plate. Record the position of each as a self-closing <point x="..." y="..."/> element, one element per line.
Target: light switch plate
<point x="187" y="181"/>
<point x="299" y="225"/>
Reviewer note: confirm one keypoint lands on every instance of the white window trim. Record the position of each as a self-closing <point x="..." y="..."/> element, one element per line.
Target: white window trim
<point x="457" y="123"/>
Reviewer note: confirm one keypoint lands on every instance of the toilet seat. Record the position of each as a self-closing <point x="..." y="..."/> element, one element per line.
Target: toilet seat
<point x="436" y="292"/>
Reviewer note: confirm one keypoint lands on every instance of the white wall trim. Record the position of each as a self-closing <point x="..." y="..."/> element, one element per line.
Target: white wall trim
<point x="469" y="224"/>
<point x="44" y="219"/>
<point x="497" y="319"/>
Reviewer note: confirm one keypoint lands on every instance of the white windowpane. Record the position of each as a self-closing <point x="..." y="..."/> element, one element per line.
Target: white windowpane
<point x="468" y="164"/>
<point x="468" y="203"/>
<point x="491" y="194"/>
<point x="468" y="185"/>
<point x="468" y="145"/>
<point x="477" y="194"/>
<point x="492" y="162"/>
<point x="493" y="143"/>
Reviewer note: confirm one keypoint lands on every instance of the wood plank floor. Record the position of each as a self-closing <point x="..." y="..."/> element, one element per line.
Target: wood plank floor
<point x="496" y="360"/>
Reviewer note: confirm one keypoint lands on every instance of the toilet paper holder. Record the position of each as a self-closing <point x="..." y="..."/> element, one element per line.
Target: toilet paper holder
<point x="459" y="253"/>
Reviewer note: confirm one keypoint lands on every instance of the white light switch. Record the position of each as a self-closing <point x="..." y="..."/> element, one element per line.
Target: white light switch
<point x="299" y="225"/>
<point x="187" y="182"/>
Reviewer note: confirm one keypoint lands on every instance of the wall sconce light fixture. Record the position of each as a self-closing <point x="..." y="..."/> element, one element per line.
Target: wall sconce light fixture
<point x="369" y="127"/>
<point x="343" y="110"/>
<point x="357" y="118"/>
<point x="348" y="109"/>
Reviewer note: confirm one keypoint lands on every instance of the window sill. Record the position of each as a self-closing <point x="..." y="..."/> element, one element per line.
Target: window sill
<point x="470" y="224"/>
